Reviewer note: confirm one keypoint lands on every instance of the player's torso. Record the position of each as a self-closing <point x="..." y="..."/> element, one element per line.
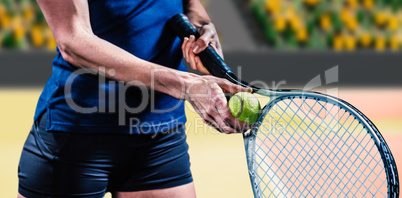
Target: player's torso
<point x="138" y="26"/>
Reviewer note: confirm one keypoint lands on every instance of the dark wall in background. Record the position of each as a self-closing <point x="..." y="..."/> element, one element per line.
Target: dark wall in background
<point x="355" y="69"/>
<point x="298" y="68"/>
<point x="28" y="69"/>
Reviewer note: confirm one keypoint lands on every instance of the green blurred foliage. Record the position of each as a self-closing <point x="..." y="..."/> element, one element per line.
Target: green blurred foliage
<point x="22" y="26"/>
<point x="330" y="24"/>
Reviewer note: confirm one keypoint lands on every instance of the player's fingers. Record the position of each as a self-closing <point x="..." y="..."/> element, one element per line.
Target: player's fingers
<point x="190" y="54"/>
<point x="191" y="60"/>
<point x="200" y="66"/>
<point x="223" y="126"/>
<point x="207" y="119"/>
<point x="226" y="117"/>
<point x="211" y="125"/>
<point x="234" y="122"/>
<point x="211" y="122"/>
<point x="203" y="41"/>
<point x="219" y="108"/>
<point x="190" y="43"/>
<point x="187" y="48"/>
<point x="233" y="88"/>
<point x="183" y="47"/>
<point x="228" y="123"/>
<point x="216" y="46"/>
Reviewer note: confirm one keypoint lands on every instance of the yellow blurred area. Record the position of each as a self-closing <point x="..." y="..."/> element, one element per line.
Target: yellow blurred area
<point x="302" y="35"/>
<point x="368" y="4"/>
<point x="19" y="23"/>
<point x="325" y="20"/>
<point x="273" y="6"/>
<point x="380" y="43"/>
<point x="286" y="21"/>
<point x="381" y="18"/>
<point x="312" y="2"/>
<point x="365" y="39"/>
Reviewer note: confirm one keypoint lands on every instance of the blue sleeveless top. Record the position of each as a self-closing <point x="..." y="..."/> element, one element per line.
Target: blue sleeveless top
<point x="78" y="100"/>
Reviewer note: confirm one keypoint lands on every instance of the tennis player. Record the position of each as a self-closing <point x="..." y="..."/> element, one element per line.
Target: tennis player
<point x="111" y="116"/>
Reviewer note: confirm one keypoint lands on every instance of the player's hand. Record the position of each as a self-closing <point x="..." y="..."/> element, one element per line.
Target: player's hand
<point x="205" y="93"/>
<point x="191" y="46"/>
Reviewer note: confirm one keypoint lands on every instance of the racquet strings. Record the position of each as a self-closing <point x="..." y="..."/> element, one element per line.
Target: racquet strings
<point x="310" y="148"/>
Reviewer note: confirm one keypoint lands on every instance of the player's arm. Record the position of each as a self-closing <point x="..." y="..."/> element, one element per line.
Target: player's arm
<point x="198" y="16"/>
<point x="70" y="25"/>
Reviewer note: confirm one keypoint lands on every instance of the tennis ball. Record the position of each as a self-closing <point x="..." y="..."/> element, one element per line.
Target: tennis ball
<point x="245" y="107"/>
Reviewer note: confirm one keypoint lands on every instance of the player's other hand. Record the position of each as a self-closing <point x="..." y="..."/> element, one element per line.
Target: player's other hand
<point x="192" y="46"/>
<point x="206" y="94"/>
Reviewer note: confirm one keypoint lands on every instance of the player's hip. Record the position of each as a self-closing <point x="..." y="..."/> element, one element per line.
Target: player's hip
<point x="112" y="162"/>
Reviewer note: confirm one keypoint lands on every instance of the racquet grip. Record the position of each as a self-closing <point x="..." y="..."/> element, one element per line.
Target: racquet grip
<point x="211" y="60"/>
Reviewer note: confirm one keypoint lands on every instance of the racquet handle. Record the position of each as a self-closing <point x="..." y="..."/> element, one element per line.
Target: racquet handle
<point x="182" y="27"/>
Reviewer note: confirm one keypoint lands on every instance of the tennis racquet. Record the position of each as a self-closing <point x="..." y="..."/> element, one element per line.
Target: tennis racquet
<point x="308" y="144"/>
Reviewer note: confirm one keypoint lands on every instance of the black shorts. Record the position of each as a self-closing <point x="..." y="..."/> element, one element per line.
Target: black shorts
<point x="56" y="164"/>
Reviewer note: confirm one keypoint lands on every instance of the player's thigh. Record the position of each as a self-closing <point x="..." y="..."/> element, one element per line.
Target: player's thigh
<point x="62" y="175"/>
<point x="183" y="191"/>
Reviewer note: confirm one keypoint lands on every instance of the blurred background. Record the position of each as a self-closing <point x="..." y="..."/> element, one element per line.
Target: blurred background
<point x="281" y="43"/>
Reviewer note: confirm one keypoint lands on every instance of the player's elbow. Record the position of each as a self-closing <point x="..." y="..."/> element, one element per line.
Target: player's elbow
<point x="71" y="48"/>
<point x="66" y="50"/>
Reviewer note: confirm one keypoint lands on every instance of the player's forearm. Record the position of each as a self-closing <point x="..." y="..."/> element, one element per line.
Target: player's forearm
<point x="91" y="52"/>
<point x="196" y="13"/>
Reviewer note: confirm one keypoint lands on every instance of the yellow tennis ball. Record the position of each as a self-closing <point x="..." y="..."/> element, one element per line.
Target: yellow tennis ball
<point x="245" y="107"/>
